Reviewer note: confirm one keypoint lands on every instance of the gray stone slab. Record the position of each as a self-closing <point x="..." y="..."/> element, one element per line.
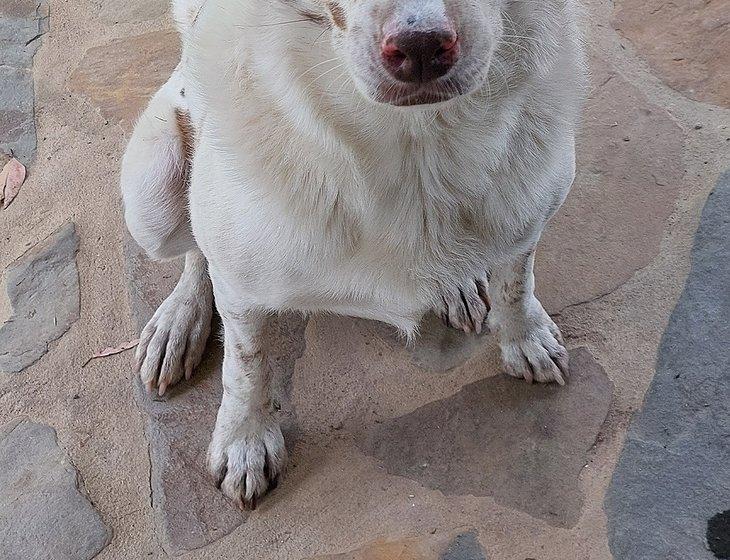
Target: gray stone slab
<point x="22" y="24"/>
<point x="43" y="290"/>
<point x="464" y="547"/>
<point x="524" y="445"/>
<point x="190" y="511"/>
<point x="43" y="514"/>
<point x="673" y="475"/>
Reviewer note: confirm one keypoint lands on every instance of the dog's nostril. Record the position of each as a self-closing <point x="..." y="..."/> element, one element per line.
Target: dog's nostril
<point x="393" y="55"/>
<point x="449" y="43"/>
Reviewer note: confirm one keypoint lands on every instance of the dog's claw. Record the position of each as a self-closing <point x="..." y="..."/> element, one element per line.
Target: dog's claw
<point x="246" y="465"/>
<point x="537" y="356"/>
<point x="465" y="307"/>
<point x="172" y="343"/>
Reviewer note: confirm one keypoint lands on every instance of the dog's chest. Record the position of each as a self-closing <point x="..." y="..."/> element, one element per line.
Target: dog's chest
<point x="340" y="237"/>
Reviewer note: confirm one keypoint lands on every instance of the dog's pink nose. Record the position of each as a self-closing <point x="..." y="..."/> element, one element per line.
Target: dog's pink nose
<point x="419" y="55"/>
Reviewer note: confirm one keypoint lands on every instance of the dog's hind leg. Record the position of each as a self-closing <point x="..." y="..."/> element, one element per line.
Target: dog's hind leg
<point x="154" y="175"/>
<point x="154" y="179"/>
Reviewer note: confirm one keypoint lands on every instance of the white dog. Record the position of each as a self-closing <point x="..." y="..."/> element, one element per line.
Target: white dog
<point x="373" y="158"/>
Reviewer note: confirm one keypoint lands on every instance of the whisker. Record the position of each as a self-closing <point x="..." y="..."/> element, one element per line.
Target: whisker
<point x="310" y="84"/>
<point x="275" y="23"/>
<point x="320" y="36"/>
<point x="313" y="67"/>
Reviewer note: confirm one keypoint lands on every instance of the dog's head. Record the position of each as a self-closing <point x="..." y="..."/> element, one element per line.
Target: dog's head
<point x="413" y="52"/>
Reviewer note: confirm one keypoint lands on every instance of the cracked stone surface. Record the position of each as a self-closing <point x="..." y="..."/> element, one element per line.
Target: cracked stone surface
<point x="43" y="512"/>
<point x="523" y="445"/>
<point x="22" y="22"/>
<point x="43" y="289"/>
<point x="686" y="43"/>
<point x="674" y="471"/>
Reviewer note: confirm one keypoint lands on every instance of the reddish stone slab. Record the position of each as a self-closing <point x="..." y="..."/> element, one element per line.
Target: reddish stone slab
<point x="687" y="43"/>
<point x="121" y="76"/>
<point x="524" y="445"/>
<point x="629" y="177"/>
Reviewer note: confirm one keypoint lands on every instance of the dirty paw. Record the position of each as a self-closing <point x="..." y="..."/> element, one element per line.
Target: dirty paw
<point x="538" y="356"/>
<point x="465" y="307"/>
<point x="172" y="344"/>
<point x="248" y="462"/>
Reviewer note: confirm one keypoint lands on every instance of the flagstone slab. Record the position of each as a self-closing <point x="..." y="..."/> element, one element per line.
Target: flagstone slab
<point x="441" y="546"/>
<point x="132" y="11"/>
<point x="43" y="512"/>
<point x="524" y="445"/>
<point x="629" y="176"/>
<point x="685" y="43"/>
<point x="43" y="290"/>
<point x="190" y="512"/>
<point x="22" y="24"/>
<point x="120" y="77"/>
<point x="673" y="477"/>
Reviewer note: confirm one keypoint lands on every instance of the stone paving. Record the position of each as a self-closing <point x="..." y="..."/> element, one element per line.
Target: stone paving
<point x="43" y="288"/>
<point x="22" y="24"/>
<point x="43" y="512"/>
<point x="659" y="500"/>
<point x="398" y="452"/>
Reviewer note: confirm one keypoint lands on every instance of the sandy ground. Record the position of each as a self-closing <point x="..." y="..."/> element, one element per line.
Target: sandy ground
<point x="102" y="427"/>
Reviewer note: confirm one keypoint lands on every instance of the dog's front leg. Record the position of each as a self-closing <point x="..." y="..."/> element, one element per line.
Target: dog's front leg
<point x="247" y="454"/>
<point x="531" y="343"/>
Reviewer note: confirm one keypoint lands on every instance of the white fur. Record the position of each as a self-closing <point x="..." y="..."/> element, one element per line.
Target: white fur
<point x="306" y="194"/>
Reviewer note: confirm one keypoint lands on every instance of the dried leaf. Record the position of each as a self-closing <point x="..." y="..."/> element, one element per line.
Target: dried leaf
<point x="14" y="173"/>
<point x="112" y="351"/>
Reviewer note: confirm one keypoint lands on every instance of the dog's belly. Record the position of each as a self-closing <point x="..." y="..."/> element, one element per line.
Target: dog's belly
<point x="276" y="272"/>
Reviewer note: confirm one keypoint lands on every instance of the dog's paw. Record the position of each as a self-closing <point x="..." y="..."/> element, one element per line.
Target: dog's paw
<point x="465" y="307"/>
<point x="247" y="461"/>
<point x="537" y="353"/>
<point x="172" y="344"/>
